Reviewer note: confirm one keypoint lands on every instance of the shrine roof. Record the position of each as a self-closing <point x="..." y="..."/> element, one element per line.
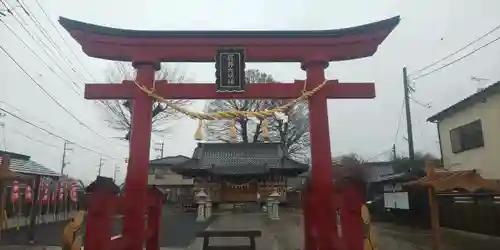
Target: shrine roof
<point x="240" y="159"/>
<point x="389" y="23"/>
<point x="201" y="45"/>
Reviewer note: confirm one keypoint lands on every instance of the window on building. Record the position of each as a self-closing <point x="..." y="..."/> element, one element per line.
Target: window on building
<point x="467" y="137"/>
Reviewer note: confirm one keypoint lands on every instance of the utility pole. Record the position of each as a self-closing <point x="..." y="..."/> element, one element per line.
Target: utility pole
<point x="116" y="171"/>
<point x="101" y="162"/>
<point x="394" y="156"/>
<point x="64" y="163"/>
<point x="159" y="148"/>
<point x="411" y="148"/>
<point x="2" y="128"/>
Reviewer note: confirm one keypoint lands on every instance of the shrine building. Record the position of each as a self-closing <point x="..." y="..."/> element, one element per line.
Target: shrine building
<point x="238" y="172"/>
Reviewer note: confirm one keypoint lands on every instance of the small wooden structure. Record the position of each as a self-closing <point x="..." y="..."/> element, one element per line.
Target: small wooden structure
<point x="438" y="181"/>
<point x="103" y="203"/>
<point x="250" y="234"/>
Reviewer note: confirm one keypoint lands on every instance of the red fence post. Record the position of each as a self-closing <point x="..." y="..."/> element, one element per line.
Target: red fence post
<point x="156" y="198"/>
<point x="353" y="199"/>
<point x="102" y="193"/>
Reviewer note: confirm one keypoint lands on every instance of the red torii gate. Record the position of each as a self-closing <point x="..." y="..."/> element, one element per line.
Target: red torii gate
<point x="313" y="49"/>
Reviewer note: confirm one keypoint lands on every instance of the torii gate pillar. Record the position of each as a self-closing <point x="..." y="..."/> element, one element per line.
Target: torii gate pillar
<point x="137" y="169"/>
<point x="320" y="216"/>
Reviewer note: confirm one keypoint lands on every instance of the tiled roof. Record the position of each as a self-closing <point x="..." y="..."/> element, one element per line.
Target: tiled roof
<point x="168" y="161"/>
<point x="239" y="159"/>
<point x="31" y="167"/>
<point x="468" y="180"/>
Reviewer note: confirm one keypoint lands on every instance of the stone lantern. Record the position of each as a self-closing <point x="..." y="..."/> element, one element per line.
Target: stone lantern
<point x="273" y="205"/>
<point x="201" y="200"/>
<point x="208" y="207"/>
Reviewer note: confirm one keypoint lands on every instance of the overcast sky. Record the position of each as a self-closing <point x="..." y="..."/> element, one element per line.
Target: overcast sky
<point x="429" y="30"/>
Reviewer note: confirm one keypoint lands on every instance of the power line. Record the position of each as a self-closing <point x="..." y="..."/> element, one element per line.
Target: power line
<point x="424" y="105"/>
<point x="399" y="121"/>
<point x="33" y="139"/>
<point x="45" y="48"/>
<point x="457" y="51"/>
<point x="456" y="60"/>
<point x="54" y="134"/>
<point x="49" y="95"/>
<point x="41" y="59"/>
<point x="44" y="32"/>
<point x="380" y="154"/>
<point x="63" y="39"/>
<point x="19" y="111"/>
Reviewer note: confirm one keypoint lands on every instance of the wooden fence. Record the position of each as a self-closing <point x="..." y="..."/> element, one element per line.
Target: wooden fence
<point x="479" y="213"/>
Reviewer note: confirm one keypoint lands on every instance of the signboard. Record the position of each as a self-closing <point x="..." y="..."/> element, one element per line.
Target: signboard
<point x="230" y="70"/>
<point x="398" y="200"/>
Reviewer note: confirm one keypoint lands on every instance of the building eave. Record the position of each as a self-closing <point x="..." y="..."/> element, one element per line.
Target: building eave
<point x="466" y="103"/>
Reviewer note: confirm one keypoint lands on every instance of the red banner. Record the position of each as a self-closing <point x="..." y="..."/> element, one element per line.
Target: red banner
<point x="15" y="192"/>
<point x="54" y="196"/>
<point x="72" y="193"/>
<point x="28" y="194"/>
<point x="61" y="192"/>
<point x="46" y="195"/>
<point x="40" y="189"/>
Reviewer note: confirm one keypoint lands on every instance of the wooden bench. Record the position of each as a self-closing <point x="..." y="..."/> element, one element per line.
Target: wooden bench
<point x="250" y="234"/>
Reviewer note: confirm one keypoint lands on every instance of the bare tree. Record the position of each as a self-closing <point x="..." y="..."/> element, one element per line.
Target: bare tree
<point x="403" y="163"/>
<point x="119" y="111"/>
<point x="351" y="159"/>
<point x="293" y="133"/>
<point x="349" y="166"/>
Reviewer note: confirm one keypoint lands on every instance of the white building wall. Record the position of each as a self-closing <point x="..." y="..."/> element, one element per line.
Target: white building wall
<point x="485" y="159"/>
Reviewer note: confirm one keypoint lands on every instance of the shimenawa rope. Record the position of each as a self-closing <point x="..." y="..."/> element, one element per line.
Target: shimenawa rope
<point x="228" y="115"/>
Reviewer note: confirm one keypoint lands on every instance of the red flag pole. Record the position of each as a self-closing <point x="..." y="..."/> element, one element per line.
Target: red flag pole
<point x="53" y="200"/>
<point x="65" y="201"/>
<point x="28" y="198"/>
<point x="41" y="191"/>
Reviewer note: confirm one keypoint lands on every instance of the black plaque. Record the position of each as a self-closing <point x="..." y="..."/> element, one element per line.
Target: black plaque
<point x="230" y="70"/>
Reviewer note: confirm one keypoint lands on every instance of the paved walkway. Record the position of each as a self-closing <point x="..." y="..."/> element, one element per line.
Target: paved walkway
<point x="254" y="221"/>
<point x="289" y="233"/>
<point x="418" y="239"/>
<point x="41" y="219"/>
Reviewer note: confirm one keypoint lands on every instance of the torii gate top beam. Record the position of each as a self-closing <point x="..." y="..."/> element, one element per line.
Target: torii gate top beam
<point x="200" y="46"/>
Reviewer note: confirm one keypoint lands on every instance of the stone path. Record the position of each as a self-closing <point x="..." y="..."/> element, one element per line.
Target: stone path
<point x="254" y="221"/>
